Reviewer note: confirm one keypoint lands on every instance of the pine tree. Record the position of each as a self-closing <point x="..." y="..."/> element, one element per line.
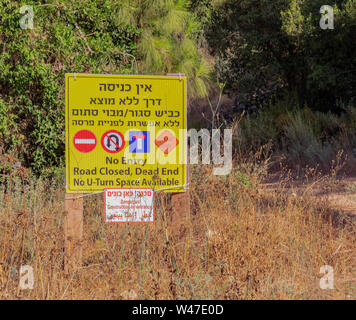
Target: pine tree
<point x="168" y="43"/>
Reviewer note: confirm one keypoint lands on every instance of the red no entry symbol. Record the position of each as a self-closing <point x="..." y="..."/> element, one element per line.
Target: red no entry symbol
<point x="84" y="141"/>
<point x="112" y="141"/>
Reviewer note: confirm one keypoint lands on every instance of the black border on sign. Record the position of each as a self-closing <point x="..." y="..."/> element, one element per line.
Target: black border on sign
<point x="158" y="77"/>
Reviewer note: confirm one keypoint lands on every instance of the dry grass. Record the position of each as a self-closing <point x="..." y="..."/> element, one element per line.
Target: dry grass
<point x="240" y="242"/>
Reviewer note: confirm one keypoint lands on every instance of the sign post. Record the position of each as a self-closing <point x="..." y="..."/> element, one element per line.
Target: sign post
<point x="73" y="230"/>
<point x="123" y="132"/>
<point x="180" y="215"/>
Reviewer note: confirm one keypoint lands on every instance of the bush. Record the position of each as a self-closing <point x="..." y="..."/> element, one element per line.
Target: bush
<point x="299" y="136"/>
<point x="104" y="36"/>
<point x="303" y="146"/>
<point x="264" y="45"/>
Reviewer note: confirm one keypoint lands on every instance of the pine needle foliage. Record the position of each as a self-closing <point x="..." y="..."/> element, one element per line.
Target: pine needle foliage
<point x="168" y="43"/>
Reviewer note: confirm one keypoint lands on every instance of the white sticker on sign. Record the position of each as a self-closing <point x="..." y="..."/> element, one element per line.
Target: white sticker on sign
<point x="129" y="205"/>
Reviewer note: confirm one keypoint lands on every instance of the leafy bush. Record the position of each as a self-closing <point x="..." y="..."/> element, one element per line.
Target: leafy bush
<point x="104" y="36"/>
<point x="264" y="45"/>
<point x="303" y="146"/>
<point x="300" y="136"/>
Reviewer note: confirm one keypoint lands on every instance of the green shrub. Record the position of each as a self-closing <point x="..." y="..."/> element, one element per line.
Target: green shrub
<point x="89" y="36"/>
<point x="303" y="146"/>
<point x="261" y="45"/>
<point x="299" y="136"/>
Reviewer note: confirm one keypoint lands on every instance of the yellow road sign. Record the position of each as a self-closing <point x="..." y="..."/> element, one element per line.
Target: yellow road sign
<point x="125" y="131"/>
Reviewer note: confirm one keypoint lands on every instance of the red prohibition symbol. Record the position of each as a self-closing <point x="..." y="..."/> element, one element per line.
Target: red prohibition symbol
<point x="84" y="141"/>
<point x="112" y="141"/>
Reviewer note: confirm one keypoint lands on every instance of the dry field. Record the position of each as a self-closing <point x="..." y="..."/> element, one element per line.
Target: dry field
<point x="241" y="240"/>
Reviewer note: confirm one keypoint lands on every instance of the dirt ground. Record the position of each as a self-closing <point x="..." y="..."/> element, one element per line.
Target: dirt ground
<point x="338" y="194"/>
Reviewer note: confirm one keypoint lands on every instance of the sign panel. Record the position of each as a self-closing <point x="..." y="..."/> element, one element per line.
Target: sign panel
<point x="125" y="131"/>
<point x="129" y="205"/>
